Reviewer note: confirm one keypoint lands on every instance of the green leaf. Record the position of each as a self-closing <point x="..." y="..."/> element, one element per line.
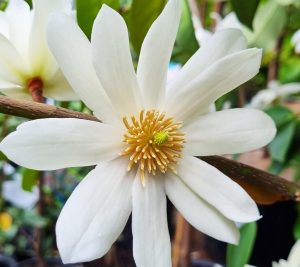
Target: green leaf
<point x="280" y="115"/>
<point x="87" y="11"/>
<point x="245" y="10"/>
<point x="140" y="18"/>
<point x="238" y="256"/>
<point x="268" y="23"/>
<point x="186" y="44"/>
<point x="281" y="143"/>
<point x="29" y="179"/>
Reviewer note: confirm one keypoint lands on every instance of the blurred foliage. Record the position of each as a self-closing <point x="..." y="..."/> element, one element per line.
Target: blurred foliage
<point x="268" y="24"/>
<point x="186" y="44"/>
<point x="30" y="178"/>
<point x="245" y="10"/>
<point x="3" y="4"/>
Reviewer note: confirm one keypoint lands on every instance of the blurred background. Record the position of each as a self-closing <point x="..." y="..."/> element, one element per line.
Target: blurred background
<point x="30" y="201"/>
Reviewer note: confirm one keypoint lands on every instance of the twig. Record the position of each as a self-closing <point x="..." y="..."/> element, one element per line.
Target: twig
<point x="33" y="110"/>
<point x="264" y="187"/>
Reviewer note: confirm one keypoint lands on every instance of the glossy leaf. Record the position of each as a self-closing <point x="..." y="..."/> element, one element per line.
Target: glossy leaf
<point x="140" y="18"/>
<point x="186" y="44"/>
<point x="238" y="256"/>
<point x="29" y="179"/>
<point x="280" y="145"/>
<point x="87" y="11"/>
<point x="245" y="10"/>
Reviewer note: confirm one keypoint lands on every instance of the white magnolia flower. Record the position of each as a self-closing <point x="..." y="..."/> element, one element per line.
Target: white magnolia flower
<point x="296" y="41"/>
<point x="293" y="258"/>
<point x="274" y="91"/>
<point x="145" y="147"/>
<point x="27" y="67"/>
<point x="13" y="192"/>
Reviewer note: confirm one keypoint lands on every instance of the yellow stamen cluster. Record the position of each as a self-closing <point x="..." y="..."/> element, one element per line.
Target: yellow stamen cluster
<point x="153" y="142"/>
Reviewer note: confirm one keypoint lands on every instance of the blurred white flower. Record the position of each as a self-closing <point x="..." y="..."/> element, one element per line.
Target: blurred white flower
<point x="13" y="192"/>
<point x="229" y="21"/>
<point x="145" y="147"/>
<point x="296" y="41"/>
<point x="293" y="258"/>
<point x="27" y="68"/>
<point x="274" y="91"/>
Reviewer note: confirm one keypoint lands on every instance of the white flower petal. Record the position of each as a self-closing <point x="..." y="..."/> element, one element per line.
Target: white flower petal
<point x="296" y="37"/>
<point x="4" y="24"/>
<point x="58" y="88"/>
<point x="41" y="59"/>
<point x="11" y="63"/>
<point x="73" y="54"/>
<point x="113" y="62"/>
<point x="96" y="213"/>
<point x="221" y="44"/>
<point x="228" y="132"/>
<point x="49" y="144"/>
<point x="13" y="192"/>
<point x="14" y="90"/>
<point x="198" y="213"/>
<point x="155" y="54"/>
<point x="218" y="190"/>
<point x="151" y="240"/>
<point x="218" y="79"/>
<point x="294" y="256"/>
<point x="20" y="21"/>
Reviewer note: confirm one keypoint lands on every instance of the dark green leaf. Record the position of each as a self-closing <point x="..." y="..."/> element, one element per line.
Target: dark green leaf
<point x="29" y="179"/>
<point x="281" y="143"/>
<point x="238" y="256"/>
<point x="186" y="44"/>
<point x="87" y="11"/>
<point x="142" y="15"/>
<point x="245" y="10"/>
<point x="280" y="115"/>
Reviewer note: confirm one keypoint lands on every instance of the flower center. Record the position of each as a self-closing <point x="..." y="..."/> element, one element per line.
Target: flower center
<point x="153" y="142"/>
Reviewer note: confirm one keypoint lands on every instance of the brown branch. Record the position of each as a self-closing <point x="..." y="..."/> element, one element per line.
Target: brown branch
<point x="33" y="110"/>
<point x="264" y="187"/>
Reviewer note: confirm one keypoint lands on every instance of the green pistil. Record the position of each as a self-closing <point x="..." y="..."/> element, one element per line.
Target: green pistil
<point x="160" y="138"/>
